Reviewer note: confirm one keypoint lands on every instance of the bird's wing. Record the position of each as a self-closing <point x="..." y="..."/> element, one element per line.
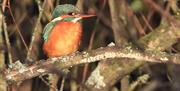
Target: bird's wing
<point x="47" y="30"/>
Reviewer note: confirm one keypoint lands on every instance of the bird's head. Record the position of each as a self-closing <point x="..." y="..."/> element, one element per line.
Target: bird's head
<point x="68" y="12"/>
<point x="65" y="13"/>
<point x="65" y="9"/>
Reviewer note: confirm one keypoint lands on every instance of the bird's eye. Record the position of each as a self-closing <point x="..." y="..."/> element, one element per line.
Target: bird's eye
<point x="72" y="13"/>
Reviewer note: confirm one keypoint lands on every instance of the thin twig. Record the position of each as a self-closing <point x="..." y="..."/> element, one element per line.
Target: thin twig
<point x="4" y="5"/>
<point x="62" y="83"/>
<point x="86" y="66"/>
<point x="89" y="48"/>
<point x="138" y="25"/>
<point x="6" y="33"/>
<point x="36" y="33"/>
<point x="146" y="23"/>
<point x="91" y="42"/>
<point x="149" y="16"/>
<point x="47" y="83"/>
<point x="18" y="30"/>
<point x="140" y="81"/>
<point x="160" y="10"/>
<point x="3" y="83"/>
<point x="7" y="41"/>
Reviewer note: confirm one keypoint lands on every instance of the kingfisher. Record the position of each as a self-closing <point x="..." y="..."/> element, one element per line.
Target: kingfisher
<point x="62" y="35"/>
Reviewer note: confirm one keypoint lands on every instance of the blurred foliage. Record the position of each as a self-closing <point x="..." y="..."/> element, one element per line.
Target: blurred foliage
<point x="137" y="5"/>
<point x="141" y="18"/>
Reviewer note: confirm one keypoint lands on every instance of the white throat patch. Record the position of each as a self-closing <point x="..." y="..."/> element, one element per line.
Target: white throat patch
<point x="57" y="19"/>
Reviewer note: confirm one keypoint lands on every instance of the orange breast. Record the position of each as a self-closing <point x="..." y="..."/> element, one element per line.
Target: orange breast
<point x="64" y="39"/>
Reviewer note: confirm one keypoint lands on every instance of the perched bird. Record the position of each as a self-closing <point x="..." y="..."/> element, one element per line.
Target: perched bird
<point x="62" y="35"/>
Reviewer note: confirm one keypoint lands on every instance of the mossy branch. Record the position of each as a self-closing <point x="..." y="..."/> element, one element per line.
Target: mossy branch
<point x="160" y="39"/>
<point x="21" y="72"/>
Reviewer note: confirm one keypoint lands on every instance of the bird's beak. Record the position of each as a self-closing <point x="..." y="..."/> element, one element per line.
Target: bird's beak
<point x="86" y="16"/>
<point x="79" y="17"/>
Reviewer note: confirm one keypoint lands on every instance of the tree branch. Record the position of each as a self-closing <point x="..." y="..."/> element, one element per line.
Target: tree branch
<point x="164" y="36"/>
<point x="59" y="63"/>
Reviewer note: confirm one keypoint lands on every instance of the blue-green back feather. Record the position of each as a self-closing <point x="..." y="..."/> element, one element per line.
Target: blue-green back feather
<point x="47" y="30"/>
